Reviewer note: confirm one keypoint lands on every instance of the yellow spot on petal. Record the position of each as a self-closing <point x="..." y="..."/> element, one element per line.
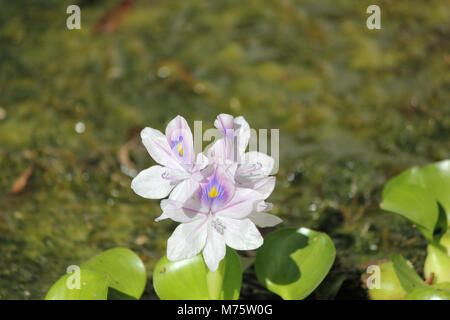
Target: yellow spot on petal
<point x="213" y="192"/>
<point x="180" y="148"/>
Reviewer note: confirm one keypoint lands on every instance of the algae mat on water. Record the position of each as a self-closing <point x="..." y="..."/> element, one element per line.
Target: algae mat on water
<point x="354" y="107"/>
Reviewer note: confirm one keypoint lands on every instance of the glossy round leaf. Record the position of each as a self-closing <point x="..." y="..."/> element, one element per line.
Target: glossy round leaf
<point x="429" y="293"/>
<point x="406" y="274"/>
<point x="415" y="204"/>
<point x="417" y="194"/>
<point x="232" y="276"/>
<point x="436" y="178"/>
<point x="123" y="268"/>
<point x="437" y="262"/>
<point x="442" y="285"/>
<point x="390" y="287"/>
<point x="90" y="285"/>
<point x="445" y="242"/>
<point x="293" y="262"/>
<point x="190" y="279"/>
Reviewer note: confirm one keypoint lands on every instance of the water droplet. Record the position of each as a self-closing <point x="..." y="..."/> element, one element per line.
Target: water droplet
<point x="128" y="171"/>
<point x="2" y="113"/>
<point x="199" y="88"/>
<point x="80" y="127"/>
<point x="291" y="176"/>
<point x="163" y="72"/>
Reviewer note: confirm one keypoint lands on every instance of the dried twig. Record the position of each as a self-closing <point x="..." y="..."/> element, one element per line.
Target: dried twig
<point x="112" y="20"/>
<point x="430" y="279"/>
<point x="21" y="182"/>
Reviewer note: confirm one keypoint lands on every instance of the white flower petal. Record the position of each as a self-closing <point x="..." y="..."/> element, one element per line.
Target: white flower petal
<point x="220" y="151"/>
<point x="201" y="161"/>
<point x="256" y="165"/>
<point x="225" y="124"/>
<point x="264" y="206"/>
<point x="234" y="131"/>
<point x="263" y="220"/>
<point x="215" y="248"/>
<point x="159" y="149"/>
<point x="263" y="186"/>
<point x="241" y="205"/>
<point x="242" y="132"/>
<point x="242" y="234"/>
<point x="184" y="190"/>
<point x="176" y="128"/>
<point x="205" y="173"/>
<point x="231" y="168"/>
<point x="179" y="212"/>
<point x="150" y="184"/>
<point x="187" y="240"/>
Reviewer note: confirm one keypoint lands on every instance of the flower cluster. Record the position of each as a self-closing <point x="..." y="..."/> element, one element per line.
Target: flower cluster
<point x="217" y="196"/>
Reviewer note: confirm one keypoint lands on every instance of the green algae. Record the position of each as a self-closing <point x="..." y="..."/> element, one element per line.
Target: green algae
<point x="354" y="107"/>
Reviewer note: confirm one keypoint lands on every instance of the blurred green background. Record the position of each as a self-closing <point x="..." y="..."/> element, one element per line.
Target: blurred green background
<point x="354" y="107"/>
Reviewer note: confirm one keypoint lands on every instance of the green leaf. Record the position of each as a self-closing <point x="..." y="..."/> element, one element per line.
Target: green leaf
<point x="436" y="178"/>
<point x="429" y="293"/>
<point x="185" y="279"/>
<point x="123" y="268"/>
<point x="293" y="262"/>
<point x="408" y="277"/>
<point x="442" y="285"/>
<point x="114" y="274"/>
<point x="232" y="280"/>
<point x="437" y="262"/>
<point x="92" y="285"/>
<point x="441" y="225"/>
<point x="190" y="279"/>
<point x="390" y="287"/>
<point x="415" y="204"/>
<point x="422" y="196"/>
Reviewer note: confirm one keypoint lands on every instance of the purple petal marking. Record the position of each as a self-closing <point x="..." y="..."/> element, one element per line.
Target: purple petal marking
<point x="213" y="190"/>
<point x="226" y="124"/>
<point x="217" y="191"/>
<point x="179" y="137"/>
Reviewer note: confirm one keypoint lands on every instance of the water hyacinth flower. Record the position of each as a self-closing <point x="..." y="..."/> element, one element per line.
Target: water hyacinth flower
<point x="219" y="199"/>
<point x="252" y="166"/>
<point x="218" y="214"/>
<point x="179" y="169"/>
<point x="235" y="136"/>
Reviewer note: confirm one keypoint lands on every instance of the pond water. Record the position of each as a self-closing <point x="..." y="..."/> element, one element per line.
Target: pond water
<point x="354" y="107"/>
